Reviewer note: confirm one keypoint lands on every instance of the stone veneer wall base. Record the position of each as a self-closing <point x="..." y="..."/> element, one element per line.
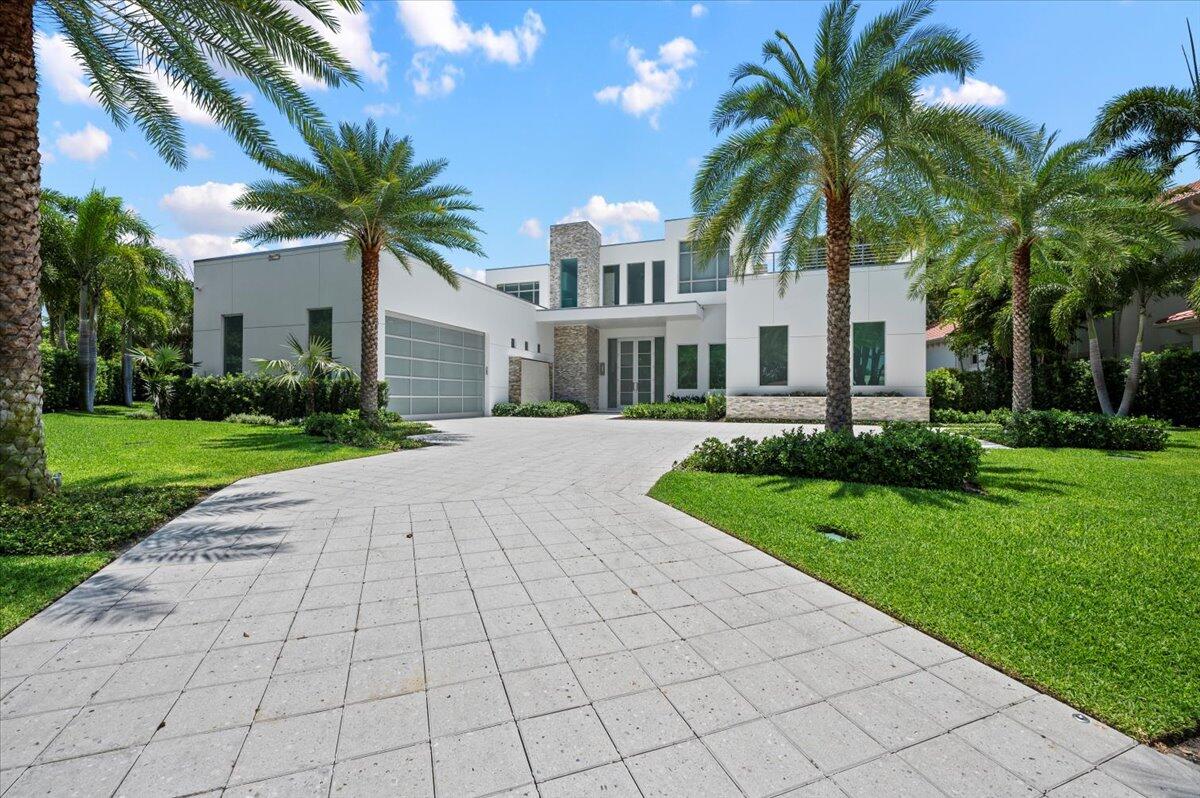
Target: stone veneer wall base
<point x="576" y="374"/>
<point x="812" y="408"/>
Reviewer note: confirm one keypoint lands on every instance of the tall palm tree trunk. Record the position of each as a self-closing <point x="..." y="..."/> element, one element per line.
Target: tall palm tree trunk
<point x="1135" y="362"/>
<point x="838" y="413"/>
<point x="87" y="347"/>
<point x="60" y="329"/>
<point x="368" y="397"/>
<point x="23" y="474"/>
<point x="1097" y="363"/>
<point x="127" y="365"/>
<point x="1022" y="390"/>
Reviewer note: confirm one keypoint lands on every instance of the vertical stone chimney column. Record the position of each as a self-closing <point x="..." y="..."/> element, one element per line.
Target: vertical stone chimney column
<point x="579" y="241"/>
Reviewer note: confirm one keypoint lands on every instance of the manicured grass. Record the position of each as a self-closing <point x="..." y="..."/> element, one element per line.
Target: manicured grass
<point x="121" y="479"/>
<point x="1077" y="571"/>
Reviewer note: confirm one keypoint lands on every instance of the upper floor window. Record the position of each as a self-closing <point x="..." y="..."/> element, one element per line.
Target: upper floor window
<point x="636" y="292"/>
<point x="568" y="283"/>
<point x="867" y="350"/>
<point x="231" y="344"/>
<point x="530" y="291"/>
<point x="697" y="275"/>
<point x="658" y="282"/>
<point x="612" y="285"/>
<point x="320" y="325"/>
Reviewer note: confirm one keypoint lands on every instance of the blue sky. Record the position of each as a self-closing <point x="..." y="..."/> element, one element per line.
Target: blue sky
<point x="555" y="110"/>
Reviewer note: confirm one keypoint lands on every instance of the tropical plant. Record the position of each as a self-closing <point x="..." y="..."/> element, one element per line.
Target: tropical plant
<point x="136" y="297"/>
<point x="308" y="366"/>
<point x="367" y="187"/>
<point x="134" y="52"/>
<point x="1019" y="212"/>
<point x="842" y="146"/>
<point x="161" y="368"/>
<point x="1160" y="123"/>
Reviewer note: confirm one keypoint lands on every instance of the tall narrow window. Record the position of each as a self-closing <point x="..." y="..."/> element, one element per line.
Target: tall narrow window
<point x="868" y="352"/>
<point x="687" y="366"/>
<point x="611" y="373"/>
<point x="231" y="344"/>
<point x="658" y="282"/>
<point x="636" y="292"/>
<point x="772" y="355"/>
<point x="568" y="283"/>
<point x="716" y="365"/>
<point x="660" y="368"/>
<point x="320" y="325"/>
<point x="612" y="285"/>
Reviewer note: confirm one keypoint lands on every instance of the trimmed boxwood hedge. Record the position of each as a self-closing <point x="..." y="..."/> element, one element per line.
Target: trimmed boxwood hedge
<point x="1054" y="428"/>
<point x="909" y="455"/>
<point x="62" y="386"/>
<point x="553" y="409"/>
<point x="216" y="398"/>
<point x="708" y="408"/>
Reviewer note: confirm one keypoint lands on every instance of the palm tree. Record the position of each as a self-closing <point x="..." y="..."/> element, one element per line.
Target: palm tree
<point x="136" y="297"/>
<point x="308" y="366"/>
<point x="841" y="145"/>
<point x="1020" y="210"/>
<point x="366" y="187"/>
<point x="1160" y="123"/>
<point x="130" y="51"/>
<point x="160" y="371"/>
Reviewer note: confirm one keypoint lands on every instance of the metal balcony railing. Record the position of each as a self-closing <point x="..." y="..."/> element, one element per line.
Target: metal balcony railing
<point x="862" y="255"/>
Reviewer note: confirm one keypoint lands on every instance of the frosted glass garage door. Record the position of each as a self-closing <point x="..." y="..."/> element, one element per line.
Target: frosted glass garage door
<point x="432" y="369"/>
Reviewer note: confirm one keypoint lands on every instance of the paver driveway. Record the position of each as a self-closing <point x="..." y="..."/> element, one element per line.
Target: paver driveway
<point x="504" y="611"/>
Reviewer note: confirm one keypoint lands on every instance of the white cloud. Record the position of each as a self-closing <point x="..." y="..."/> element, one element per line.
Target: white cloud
<point x="657" y="81"/>
<point x="617" y="221"/>
<point x="436" y="24"/>
<point x="425" y="83"/>
<point x="202" y="245"/>
<point x="208" y="208"/>
<point x="353" y="41"/>
<point x="60" y="70"/>
<point x="532" y="228"/>
<point x="47" y="156"/>
<point x="200" y="151"/>
<point x="475" y="274"/>
<point x="381" y="109"/>
<point x="87" y="144"/>
<point x="699" y="10"/>
<point x="971" y="92"/>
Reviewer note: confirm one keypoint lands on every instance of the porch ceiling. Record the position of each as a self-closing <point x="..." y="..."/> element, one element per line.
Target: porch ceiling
<point x="624" y="315"/>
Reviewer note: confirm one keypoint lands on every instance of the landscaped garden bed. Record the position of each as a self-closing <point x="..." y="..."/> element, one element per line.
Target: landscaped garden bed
<point x="700" y="408"/>
<point x="553" y="409"/>
<point x="1073" y="570"/>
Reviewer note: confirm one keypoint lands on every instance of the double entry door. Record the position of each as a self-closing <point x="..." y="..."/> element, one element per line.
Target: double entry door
<point x="635" y="371"/>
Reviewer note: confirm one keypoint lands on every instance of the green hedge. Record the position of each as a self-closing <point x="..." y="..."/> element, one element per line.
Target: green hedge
<point x="216" y="398"/>
<point x="710" y="408"/>
<point x="62" y="384"/>
<point x="1168" y="388"/>
<point x="1053" y="428"/>
<point x="908" y="455"/>
<point x="947" y="416"/>
<point x="553" y="409"/>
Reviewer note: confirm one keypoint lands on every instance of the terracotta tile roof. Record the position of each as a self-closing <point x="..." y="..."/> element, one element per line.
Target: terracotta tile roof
<point x="1184" y="192"/>
<point x="1174" y="318"/>
<point x="939" y="332"/>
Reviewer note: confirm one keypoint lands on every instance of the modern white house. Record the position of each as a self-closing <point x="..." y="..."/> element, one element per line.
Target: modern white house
<point x="606" y="324"/>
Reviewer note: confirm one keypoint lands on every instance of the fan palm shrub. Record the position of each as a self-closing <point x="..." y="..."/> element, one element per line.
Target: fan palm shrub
<point x="161" y="368"/>
<point x="366" y="186"/>
<point x="132" y="52"/>
<point x="307" y="366"/>
<point x="833" y="150"/>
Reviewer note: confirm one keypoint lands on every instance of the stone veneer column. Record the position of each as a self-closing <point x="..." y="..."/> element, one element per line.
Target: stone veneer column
<point x="514" y="379"/>
<point x="577" y="364"/>
<point x="581" y="241"/>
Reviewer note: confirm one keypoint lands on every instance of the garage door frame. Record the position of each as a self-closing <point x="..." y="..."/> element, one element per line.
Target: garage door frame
<point x="443" y="378"/>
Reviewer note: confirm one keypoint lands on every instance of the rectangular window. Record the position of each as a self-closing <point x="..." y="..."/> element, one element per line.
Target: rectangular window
<point x="660" y="369"/>
<point x="687" y="366"/>
<point x="612" y="285"/>
<point x="232" y="344"/>
<point x="611" y="373"/>
<point x="868" y="352"/>
<point x="716" y="365"/>
<point x="772" y="355"/>
<point x="529" y="291"/>
<point x="658" y="282"/>
<point x="568" y="283"/>
<point x="697" y="275"/>
<point x="636" y="275"/>
<point x="320" y="325"/>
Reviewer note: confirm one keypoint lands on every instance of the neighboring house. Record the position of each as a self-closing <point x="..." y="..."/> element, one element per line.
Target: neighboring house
<point x="606" y="324"/>
<point x="939" y="355"/>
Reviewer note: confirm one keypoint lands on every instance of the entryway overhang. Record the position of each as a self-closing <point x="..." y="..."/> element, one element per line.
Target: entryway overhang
<point x="610" y="316"/>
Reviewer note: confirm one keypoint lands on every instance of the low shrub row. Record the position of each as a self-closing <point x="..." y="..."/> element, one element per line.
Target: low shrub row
<point x="1054" y="428"/>
<point x="710" y="408"/>
<point x="217" y="398"/>
<point x="62" y="383"/>
<point x="552" y="409"/>
<point x="349" y="428"/>
<point x="908" y="455"/>
<point x="1167" y="390"/>
<point x="948" y="416"/>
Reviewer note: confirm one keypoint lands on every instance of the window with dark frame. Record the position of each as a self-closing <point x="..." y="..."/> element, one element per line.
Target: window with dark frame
<point x="231" y="344"/>
<point x="568" y="283"/>
<point x="320" y="325"/>
<point x="635" y="293"/>
<point x="772" y="355"/>
<point x="716" y="365"/>
<point x="868" y="349"/>
<point x="687" y="354"/>
<point x="529" y="291"/>
<point x="658" y="282"/>
<point x="698" y="276"/>
<point x="612" y="285"/>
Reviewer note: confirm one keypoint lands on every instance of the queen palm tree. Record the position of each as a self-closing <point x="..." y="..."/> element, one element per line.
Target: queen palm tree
<point x="842" y="146"/>
<point x="136" y="297"/>
<point x="368" y="188"/>
<point x="130" y="51"/>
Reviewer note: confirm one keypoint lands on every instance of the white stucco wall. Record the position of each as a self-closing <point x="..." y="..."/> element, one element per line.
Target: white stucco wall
<point x="938" y="356"/>
<point x="535" y="381"/>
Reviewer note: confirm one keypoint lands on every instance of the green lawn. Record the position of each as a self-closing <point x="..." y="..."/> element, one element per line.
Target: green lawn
<point x="1077" y="571"/>
<point x="121" y="479"/>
